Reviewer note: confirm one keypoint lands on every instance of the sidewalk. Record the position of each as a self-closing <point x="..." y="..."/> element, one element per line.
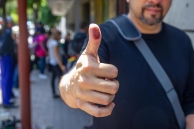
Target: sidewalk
<point x="50" y="113"/>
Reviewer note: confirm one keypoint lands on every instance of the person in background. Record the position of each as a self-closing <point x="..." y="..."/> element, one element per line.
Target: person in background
<point x="76" y="45"/>
<point x="15" y="75"/>
<point x="40" y="26"/>
<point x="78" y="40"/>
<point x="33" y="48"/>
<point x="47" y="35"/>
<point x="7" y="64"/>
<point x="55" y="61"/>
<point x="67" y="48"/>
<point x="41" y="53"/>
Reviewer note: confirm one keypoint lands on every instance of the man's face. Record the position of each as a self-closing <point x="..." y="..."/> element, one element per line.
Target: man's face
<point x="58" y="36"/>
<point x="68" y="37"/>
<point x="150" y="12"/>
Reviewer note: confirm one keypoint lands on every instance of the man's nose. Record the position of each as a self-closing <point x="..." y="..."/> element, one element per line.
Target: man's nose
<point x="154" y="1"/>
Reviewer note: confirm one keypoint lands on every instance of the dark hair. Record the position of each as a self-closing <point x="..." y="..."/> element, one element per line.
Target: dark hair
<point x="68" y="33"/>
<point x="55" y="34"/>
<point x="40" y="30"/>
<point x="49" y="33"/>
<point x="83" y="25"/>
<point x="58" y="32"/>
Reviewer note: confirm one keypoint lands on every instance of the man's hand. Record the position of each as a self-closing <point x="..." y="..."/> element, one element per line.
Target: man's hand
<point x="190" y="121"/>
<point x="91" y="83"/>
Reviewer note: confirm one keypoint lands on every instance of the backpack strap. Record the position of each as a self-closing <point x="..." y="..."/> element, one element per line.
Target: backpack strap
<point x="124" y="26"/>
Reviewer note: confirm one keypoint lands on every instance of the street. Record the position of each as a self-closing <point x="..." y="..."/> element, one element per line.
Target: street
<point x="47" y="112"/>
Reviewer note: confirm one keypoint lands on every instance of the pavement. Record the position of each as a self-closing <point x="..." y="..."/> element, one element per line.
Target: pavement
<point x="47" y="112"/>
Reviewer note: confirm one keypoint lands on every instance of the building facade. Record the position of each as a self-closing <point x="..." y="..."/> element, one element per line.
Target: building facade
<point x="94" y="11"/>
<point x="98" y="11"/>
<point x="181" y="16"/>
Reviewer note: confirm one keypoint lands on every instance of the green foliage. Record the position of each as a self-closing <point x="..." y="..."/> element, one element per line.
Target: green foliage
<point x="33" y="4"/>
<point x="43" y="3"/>
<point x="44" y="13"/>
<point x="11" y="10"/>
<point x="47" y="17"/>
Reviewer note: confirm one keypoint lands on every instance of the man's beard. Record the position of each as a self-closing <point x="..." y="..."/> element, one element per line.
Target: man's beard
<point x="153" y="20"/>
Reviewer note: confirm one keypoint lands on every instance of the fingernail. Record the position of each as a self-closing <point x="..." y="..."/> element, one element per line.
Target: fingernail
<point x="96" y="33"/>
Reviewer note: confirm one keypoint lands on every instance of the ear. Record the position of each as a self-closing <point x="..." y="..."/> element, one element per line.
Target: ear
<point x="127" y="1"/>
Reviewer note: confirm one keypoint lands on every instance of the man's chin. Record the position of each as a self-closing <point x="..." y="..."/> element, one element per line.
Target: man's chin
<point x="151" y="21"/>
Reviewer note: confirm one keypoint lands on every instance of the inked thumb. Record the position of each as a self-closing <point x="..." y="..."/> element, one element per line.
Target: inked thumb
<point x="94" y="40"/>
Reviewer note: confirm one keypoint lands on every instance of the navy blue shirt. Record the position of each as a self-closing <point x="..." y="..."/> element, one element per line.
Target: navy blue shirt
<point x="141" y="102"/>
<point x="6" y="43"/>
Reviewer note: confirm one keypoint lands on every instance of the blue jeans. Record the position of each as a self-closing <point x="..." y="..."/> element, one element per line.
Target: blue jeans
<point x="7" y="67"/>
<point x="42" y="64"/>
<point x="15" y="77"/>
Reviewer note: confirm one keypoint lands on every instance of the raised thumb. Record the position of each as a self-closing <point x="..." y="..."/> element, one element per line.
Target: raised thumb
<point x="94" y="40"/>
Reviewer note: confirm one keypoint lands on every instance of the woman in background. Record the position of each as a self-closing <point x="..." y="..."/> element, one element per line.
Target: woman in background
<point x="55" y="59"/>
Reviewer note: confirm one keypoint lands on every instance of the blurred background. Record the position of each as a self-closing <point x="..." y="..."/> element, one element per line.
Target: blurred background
<point x="34" y="95"/>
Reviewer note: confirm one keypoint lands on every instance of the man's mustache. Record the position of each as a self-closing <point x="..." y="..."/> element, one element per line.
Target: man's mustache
<point x="152" y="6"/>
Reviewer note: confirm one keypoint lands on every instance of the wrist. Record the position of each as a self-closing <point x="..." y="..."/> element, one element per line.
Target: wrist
<point x="65" y="88"/>
<point x="60" y="65"/>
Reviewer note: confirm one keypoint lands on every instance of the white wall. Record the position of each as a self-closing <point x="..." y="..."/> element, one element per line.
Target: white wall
<point x="181" y="15"/>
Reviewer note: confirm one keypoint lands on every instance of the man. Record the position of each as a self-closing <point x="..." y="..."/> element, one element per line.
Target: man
<point x="76" y="44"/>
<point x="140" y="102"/>
<point x="79" y="38"/>
<point x="7" y="64"/>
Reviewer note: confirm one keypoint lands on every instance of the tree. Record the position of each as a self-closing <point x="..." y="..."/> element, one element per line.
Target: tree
<point x="37" y="10"/>
<point x="35" y="5"/>
<point x="12" y="10"/>
<point x="2" y="6"/>
<point x="42" y="12"/>
<point x="47" y="17"/>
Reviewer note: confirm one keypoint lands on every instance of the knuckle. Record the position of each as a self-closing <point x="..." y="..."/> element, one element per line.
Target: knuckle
<point x="79" y="103"/>
<point x="83" y="82"/>
<point x="86" y="68"/>
<point x="112" y="97"/>
<point x="114" y="71"/>
<point x="109" y="112"/>
<point x="107" y="100"/>
<point x="115" y="87"/>
<point x="97" y="113"/>
<point x="79" y="93"/>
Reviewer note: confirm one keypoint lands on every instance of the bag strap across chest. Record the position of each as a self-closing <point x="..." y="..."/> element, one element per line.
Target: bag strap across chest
<point x="131" y="33"/>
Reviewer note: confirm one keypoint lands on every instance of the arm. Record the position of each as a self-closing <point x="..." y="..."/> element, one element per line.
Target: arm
<point x="66" y="48"/>
<point x="59" y="62"/>
<point x="188" y="104"/>
<point x="90" y="83"/>
<point x="43" y="48"/>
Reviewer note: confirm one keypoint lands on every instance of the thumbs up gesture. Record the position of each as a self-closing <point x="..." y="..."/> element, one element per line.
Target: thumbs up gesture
<point x="91" y="83"/>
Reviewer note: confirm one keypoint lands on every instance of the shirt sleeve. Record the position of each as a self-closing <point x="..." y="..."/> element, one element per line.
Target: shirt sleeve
<point x="54" y="43"/>
<point x="188" y="101"/>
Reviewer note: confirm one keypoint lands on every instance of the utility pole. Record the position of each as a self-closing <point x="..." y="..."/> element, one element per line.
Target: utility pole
<point x="24" y="63"/>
